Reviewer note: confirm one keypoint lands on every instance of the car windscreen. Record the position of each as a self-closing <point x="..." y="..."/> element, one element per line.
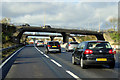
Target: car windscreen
<point x="54" y="43"/>
<point x="99" y="45"/>
<point x="73" y="42"/>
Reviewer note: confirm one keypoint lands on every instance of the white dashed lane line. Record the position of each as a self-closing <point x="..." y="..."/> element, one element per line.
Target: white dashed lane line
<point x="73" y="75"/>
<point x="59" y="65"/>
<point x="56" y="63"/>
<point x="46" y="56"/>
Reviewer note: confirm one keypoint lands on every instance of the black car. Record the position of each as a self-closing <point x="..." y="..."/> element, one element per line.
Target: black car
<point x="26" y="24"/>
<point x="53" y="46"/>
<point x="94" y="53"/>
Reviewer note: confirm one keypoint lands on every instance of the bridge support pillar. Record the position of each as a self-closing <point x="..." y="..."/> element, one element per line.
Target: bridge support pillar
<point x="65" y="37"/>
<point x="73" y="39"/>
<point x="52" y="38"/>
<point x="100" y="37"/>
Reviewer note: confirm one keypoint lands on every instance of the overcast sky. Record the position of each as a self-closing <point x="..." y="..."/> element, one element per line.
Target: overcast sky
<point x="70" y="14"/>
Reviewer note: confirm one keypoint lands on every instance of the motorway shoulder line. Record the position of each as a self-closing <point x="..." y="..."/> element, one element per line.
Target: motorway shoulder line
<point x="10" y="57"/>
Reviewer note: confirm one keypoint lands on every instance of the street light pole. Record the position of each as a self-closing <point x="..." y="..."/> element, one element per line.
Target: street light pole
<point x="99" y="23"/>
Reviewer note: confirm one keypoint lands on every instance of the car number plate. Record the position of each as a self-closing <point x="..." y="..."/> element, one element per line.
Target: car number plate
<point x="101" y="59"/>
<point x="54" y="46"/>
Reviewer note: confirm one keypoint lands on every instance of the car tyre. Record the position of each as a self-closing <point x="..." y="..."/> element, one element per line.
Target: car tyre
<point x="59" y="51"/>
<point x="111" y="66"/>
<point x="46" y="51"/>
<point x="82" y="65"/>
<point x="73" y="60"/>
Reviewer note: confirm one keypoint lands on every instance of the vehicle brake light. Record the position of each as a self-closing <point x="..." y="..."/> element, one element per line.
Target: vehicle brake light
<point x="88" y="51"/>
<point x="49" y="45"/>
<point x="42" y="43"/>
<point x="37" y="43"/>
<point x="58" y="45"/>
<point x="112" y="52"/>
<point x="69" y="45"/>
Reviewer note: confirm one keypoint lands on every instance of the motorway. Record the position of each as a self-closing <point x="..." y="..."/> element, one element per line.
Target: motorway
<point x="32" y="62"/>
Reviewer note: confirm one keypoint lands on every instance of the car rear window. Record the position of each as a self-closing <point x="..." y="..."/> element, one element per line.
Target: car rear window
<point x="40" y="41"/>
<point x="74" y="43"/>
<point x="54" y="43"/>
<point x="98" y="45"/>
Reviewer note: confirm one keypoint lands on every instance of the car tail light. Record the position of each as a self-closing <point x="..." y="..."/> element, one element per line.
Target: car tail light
<point x="37" y="43"/>
<point x="112" y="52"/>
<point x="49" y="45"/>
<point x="69" y="45"/>
<point x="88" y="51"/>
<point x="58" y="45"/>
<point x="42" y="43"/>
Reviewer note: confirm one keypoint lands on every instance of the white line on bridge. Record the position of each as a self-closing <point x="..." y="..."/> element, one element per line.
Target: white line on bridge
<point x="9" y="58"/>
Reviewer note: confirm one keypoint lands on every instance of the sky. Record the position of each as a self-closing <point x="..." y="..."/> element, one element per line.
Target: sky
<point x="73" y="14"/>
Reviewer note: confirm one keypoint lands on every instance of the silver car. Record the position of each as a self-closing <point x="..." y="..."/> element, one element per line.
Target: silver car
<point x="40" y="43"/>
<point x="71" y="46"/>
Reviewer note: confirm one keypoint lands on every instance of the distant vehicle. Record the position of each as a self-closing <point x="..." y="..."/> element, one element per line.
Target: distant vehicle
<point x="53" y="46"/>
<point x="25" y="24"/>
<point x="71" y="45"/>
<point x="94" y="53"/>
<point x="47" y="26"/>
<point x="40" y="43"/>
<point x="31" y="42"/>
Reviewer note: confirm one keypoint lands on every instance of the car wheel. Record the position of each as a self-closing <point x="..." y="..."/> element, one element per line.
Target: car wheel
<point x="46" y="51"/>
<point x="111" y="66"/>
<point x="59" y="51"/>
<point x="73" y="60"/>
<point x="82" y="65"/>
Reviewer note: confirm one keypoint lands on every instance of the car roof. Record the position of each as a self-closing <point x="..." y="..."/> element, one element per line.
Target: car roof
<point x="52" y="41"/>
<point x="95" y="41"/>
<point x="40" y="41"/>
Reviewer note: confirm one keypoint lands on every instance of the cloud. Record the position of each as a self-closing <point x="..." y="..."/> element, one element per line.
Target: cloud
<point x="60" y="0"/>
<point x="70" y="15"/>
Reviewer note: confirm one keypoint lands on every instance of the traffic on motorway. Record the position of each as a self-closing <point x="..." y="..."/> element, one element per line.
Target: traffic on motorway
<point x="85" y="53"/>
<point x="95" y="59"/>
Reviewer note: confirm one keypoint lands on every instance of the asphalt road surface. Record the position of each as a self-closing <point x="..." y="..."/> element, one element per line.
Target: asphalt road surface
<point x="32" y="62"/>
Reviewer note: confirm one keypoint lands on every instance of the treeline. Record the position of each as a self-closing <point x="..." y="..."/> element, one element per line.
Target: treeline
<point x="6" y="34"/>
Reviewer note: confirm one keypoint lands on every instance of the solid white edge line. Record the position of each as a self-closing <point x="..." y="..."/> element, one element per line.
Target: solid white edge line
<point x="73" y="75"/>
<point x="56" y="63"/>
<point x="9" y="58"/>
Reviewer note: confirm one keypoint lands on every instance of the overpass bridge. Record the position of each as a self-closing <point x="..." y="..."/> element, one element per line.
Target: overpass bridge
<point x="64" y="32"/>
<point x="51" y="36"/>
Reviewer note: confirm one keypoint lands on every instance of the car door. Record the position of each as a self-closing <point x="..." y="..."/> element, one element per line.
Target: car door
<point x="80" y="50"/>
<point x="76" y="52"/>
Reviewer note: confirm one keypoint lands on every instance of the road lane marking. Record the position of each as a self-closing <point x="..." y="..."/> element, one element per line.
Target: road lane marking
<point x="10" y="58"/>
<point x="46" y="56"/>
<point x="59" y="65"/>
<point x="56" y="63"/>
<point x="73" y="75"/>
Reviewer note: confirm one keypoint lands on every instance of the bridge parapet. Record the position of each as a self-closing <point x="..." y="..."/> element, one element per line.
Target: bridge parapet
<point x="65" y="32"/>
